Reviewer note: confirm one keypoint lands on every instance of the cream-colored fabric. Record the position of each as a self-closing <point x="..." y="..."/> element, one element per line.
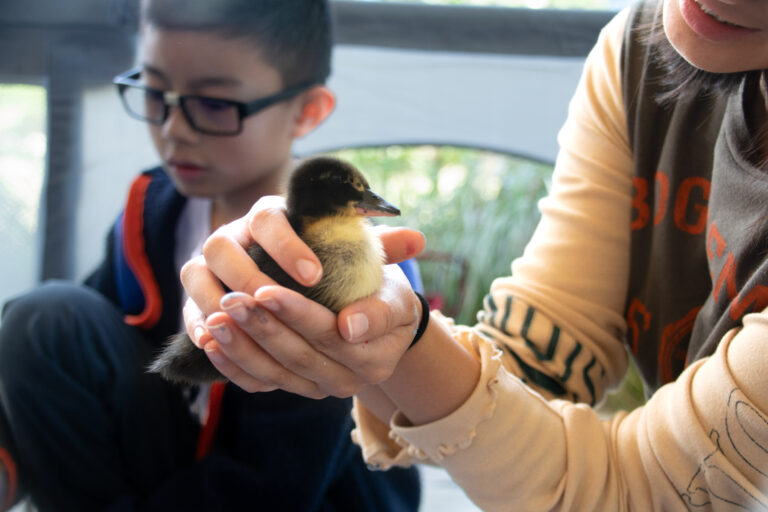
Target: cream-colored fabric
<point x="519" y="442"/>
<point x="575" y="268"/>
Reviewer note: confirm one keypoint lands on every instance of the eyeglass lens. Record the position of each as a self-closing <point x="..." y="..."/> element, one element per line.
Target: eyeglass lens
<point x="145" y="104"/>
<point x="212" y="115"/>
<point x="204" y="114"/>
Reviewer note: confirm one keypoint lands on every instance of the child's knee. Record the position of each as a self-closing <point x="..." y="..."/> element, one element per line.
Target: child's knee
<point x="50" y="302"/>
<point x="42" y="323"/>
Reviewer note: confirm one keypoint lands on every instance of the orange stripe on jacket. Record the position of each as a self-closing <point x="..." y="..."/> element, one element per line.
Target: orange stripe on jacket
<point x="136" y="256"/>
<point x="10" y="468"/>
<point x="205" y="440"/>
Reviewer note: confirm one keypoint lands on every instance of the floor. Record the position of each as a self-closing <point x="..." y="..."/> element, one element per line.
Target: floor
<point x="440" y="494"/>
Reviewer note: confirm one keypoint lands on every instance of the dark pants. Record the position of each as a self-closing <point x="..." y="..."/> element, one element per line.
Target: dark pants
<point x="88" y="423"/>
<point x="91" y="430"/>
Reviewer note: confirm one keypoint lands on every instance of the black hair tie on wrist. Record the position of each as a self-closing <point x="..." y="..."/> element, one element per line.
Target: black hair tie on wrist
<point x="424" y="320"/>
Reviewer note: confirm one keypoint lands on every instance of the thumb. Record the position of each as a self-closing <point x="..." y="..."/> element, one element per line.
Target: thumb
<point x="400" y="243"/>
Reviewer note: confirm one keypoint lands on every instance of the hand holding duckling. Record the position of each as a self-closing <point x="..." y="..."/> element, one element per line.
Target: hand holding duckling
<point x="283" y="321"/>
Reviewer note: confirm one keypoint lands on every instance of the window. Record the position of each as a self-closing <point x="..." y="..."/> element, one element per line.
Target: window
<point x="22" y="164"/>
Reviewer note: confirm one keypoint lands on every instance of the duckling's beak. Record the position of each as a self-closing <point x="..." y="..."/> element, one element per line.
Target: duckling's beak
<point x="373" y="205"/>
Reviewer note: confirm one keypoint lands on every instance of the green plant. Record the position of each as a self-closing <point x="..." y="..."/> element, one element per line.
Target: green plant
<point x="478" y="207"/>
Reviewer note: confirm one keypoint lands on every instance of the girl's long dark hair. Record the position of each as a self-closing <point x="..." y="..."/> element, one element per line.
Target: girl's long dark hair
<point x="683" y="80"/>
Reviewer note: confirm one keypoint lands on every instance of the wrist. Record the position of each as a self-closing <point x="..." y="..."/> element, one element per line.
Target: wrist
<point x="424" y="319"/>
<point x="434" y="377"/>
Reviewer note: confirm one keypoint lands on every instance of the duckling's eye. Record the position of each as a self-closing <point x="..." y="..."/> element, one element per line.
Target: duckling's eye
<point x="358" y="185"/>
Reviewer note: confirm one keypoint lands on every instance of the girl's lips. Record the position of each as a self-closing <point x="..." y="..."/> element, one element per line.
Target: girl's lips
<point x="708" y="26"/>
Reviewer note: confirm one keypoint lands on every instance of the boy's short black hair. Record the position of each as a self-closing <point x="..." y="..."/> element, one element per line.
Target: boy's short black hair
<point x="294" y="36"/>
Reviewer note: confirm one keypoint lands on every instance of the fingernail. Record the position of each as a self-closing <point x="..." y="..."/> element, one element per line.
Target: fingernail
<point x="237" y="311"/>
<point x="221" y="333"/>
<point x="269" y="303"/>
<point x="198" y="333"/>
<point x="233" y="303"/>
<point x="308" y="270"/>
<point x="357" y="325"/>
<point x="214" y="355"/>
<point x="411" y="248"/>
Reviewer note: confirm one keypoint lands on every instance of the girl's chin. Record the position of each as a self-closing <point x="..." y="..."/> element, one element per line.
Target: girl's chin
<point x="702" y="41"/>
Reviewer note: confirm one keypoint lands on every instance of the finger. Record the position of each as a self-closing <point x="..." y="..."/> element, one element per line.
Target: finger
<point x="394" y="310"/>
<point x="194" y="322"/>
<point x="234" y="373"/>
<point x="202" y="286"/>
<point x="306" y="347"/>
<point x="250" y="363"/>
<point x="226" y="257"/>
<point x="362" y="363"/>
<point x="380" y="329"/>
<point x="269" y="227"/>
<point x="307" y="318"/>
<point x="400" y="243"/>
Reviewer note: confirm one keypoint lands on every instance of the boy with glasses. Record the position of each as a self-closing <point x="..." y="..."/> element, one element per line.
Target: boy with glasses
<point x="225" y="88"/>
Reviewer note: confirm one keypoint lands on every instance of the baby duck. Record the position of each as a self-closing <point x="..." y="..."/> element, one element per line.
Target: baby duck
<point x="327" y="203"/>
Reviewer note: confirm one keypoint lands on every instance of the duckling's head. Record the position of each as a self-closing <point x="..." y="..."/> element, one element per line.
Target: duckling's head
<point x="326" y="186"/>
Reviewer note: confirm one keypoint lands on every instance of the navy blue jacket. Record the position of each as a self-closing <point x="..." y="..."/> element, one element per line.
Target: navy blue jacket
<point x="274" y="451"/>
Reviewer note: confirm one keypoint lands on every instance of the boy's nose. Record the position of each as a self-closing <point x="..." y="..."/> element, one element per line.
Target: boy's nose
<point x="176" y="125"/>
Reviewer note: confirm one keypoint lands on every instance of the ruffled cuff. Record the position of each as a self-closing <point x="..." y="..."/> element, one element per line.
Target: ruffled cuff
<point x="401" y="444"/>
<point x="372" y="435"/>
<point x="441" y="438"/>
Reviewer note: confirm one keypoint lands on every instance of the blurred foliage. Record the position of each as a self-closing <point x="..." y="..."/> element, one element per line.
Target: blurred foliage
<point x="478" y="207"/>
<point x="628" y="396"/>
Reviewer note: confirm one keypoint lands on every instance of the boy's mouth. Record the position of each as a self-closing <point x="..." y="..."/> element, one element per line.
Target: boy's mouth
<point x="185" y="170"/>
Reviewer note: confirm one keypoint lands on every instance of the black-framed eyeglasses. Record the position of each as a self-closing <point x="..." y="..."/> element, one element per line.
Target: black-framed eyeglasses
<point x="212" y="116"/>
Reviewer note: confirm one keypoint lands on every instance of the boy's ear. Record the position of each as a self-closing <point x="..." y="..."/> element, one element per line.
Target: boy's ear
<point x="318" y="103"/>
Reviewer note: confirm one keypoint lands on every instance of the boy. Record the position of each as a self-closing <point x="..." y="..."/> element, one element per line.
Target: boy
<point x="225" y="88"/>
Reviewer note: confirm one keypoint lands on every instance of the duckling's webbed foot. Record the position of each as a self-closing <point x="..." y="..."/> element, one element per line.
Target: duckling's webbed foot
<point x="181" y="361"/>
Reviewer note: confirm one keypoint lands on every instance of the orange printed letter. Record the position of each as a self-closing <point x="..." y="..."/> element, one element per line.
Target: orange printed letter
<point x="682" y="201"/>
<point x="661" y="198"/>
<point x="639" y="203"/>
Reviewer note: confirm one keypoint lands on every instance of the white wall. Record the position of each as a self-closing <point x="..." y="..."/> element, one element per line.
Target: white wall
<point x="509" y="103"/>
<point x="116" y="148"/>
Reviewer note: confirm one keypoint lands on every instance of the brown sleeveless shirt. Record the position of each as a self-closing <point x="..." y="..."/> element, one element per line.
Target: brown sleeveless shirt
<point x="699" y="245"/>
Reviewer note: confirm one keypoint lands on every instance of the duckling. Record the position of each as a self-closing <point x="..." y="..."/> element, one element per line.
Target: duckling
<point x="327" y="203"/>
